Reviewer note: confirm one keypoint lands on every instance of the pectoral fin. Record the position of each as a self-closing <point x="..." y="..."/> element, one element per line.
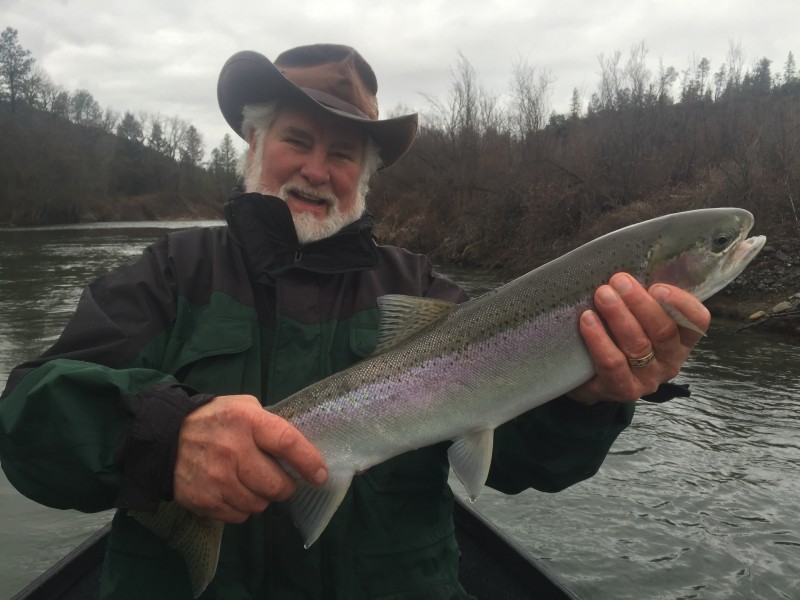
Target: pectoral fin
<point x="681" y="319"/>
<point x="470" y="457"/>
<point x="312" y="506"/>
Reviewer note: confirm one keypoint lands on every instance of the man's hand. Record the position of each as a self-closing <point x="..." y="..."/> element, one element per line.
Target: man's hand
<point x="227" y="467"/>
<point x="638" y="326"/>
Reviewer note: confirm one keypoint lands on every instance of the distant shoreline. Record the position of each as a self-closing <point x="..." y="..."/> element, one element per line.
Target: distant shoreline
<point x="764" y="284"/>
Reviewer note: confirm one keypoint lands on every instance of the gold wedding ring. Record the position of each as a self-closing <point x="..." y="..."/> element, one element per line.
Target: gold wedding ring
<point x="642" y="361"/>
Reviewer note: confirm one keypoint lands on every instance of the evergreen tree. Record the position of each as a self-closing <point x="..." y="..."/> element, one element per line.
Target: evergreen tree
<point x="223" y="165"/>
<point x="789" y="69"/>
<point x="156" y="140"/>
<point x="16" y="65"/>
<point x="130" y="128"/>
<point x="575" y="104"/>
<point x="192" y="147"/>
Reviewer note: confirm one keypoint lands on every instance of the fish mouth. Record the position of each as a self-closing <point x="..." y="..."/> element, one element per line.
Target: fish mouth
<point x="746" y="250"/>
<point x="738" y="256"/>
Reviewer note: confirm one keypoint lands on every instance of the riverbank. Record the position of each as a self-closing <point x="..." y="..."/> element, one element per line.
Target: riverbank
<point x="142" y="207"/>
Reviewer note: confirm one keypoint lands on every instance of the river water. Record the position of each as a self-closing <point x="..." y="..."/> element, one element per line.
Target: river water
<point x="699" y="498"/>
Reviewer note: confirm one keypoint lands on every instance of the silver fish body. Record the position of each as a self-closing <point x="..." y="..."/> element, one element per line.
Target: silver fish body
<point x="456" y="372"/>
<point x="484" y="362"/>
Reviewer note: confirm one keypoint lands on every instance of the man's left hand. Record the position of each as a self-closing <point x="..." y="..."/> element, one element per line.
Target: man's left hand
<point x="637" y="326"/>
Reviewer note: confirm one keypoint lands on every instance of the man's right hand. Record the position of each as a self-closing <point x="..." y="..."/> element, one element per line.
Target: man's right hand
<point x="227" y="468"/>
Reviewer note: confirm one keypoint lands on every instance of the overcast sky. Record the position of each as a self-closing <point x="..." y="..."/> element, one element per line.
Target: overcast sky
<point x="164" y="56"/>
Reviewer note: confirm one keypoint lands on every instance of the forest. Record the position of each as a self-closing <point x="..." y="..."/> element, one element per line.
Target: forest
<point x="493" y="179"/>
<point x="495" y="184"/>
<point x="65" y="159"/>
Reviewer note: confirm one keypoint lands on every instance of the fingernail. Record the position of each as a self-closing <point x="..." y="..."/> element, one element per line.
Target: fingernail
<point x="607" y="296"/>
<point x="660" y="292"/>
<point x="622" y="284"/>
<point x="320" y="476"/>
<point x="589" y="319"/>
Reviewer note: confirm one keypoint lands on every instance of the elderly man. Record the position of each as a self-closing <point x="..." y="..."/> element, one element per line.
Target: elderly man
<point x="155" y="389"/>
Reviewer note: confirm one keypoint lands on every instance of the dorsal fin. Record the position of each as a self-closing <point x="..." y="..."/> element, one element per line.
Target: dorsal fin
<point x="403" y="316"/>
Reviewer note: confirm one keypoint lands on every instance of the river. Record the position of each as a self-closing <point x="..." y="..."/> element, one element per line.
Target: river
<point x="699" y="498"/>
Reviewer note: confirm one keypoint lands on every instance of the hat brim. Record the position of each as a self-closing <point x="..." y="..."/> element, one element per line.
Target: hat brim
<point x="250" y="78"/>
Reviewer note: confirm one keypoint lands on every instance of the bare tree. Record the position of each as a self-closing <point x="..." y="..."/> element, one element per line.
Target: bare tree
<point x="175" y="130"/>
<point x="666" y="79"/>
<point x="110" y="120"/>
<point x="84" y="109"/>
<point x="734" y="65"/>
<point x="610" y="80"/>
<point x="49" y="93"/>
<point x="532" y="92"/>
<point x="636" y="74"/>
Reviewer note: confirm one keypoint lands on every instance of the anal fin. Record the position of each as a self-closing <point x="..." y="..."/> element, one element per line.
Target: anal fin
<point x="470" y="457"/>
<point x="312" y="507"/>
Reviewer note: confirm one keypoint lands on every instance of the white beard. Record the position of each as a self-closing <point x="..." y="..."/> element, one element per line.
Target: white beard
<point x="308" y="227"/>
<point x="311" y="229"/>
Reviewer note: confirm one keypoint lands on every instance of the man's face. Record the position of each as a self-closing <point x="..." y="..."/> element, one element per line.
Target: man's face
<point x="314" y="162"/>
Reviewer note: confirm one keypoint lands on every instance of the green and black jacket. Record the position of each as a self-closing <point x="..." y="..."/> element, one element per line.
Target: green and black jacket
<point x="244" y="309"/>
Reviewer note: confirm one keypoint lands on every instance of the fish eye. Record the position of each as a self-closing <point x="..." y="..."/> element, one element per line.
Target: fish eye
<point x="721" y="240"/>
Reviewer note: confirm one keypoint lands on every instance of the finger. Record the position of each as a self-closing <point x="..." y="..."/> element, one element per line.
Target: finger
<point x="208" y="502"/>
<point x="280" y="439"/>
<point x="613" y="380"/>
<point x="624" y="325"/>
<point x="266" y="480"/>
<point x="225" y="513"/>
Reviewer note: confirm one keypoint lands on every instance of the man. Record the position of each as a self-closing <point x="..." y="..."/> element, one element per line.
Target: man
<point x="154" y="390"/>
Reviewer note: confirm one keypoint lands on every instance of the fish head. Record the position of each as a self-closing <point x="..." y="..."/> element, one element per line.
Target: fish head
<point x="702" y="251"/>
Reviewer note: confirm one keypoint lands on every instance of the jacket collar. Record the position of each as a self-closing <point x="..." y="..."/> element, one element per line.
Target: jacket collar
<point x="263" y="226"/>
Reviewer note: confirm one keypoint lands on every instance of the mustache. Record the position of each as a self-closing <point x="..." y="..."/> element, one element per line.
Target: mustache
<point x="308" y="191"/>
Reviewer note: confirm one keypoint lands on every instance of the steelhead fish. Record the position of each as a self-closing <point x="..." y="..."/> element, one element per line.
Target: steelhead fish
<point x="456" y="372"/>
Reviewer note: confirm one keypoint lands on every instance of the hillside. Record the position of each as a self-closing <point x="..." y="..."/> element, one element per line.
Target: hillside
<point x="55" y="171"/>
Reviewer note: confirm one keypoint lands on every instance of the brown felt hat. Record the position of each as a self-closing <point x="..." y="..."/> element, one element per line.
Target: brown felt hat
<point x="329" y="77"/>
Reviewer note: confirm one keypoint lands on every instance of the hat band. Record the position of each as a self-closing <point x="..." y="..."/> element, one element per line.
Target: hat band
<point x="336" y="103"/>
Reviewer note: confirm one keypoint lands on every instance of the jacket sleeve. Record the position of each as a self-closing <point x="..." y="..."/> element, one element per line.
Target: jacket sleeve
<point x="93" y="422"/>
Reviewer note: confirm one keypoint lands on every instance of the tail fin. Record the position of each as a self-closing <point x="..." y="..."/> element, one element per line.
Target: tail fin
<point x="196" y="539"/>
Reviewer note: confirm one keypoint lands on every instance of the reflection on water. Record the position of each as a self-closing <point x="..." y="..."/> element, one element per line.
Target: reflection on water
<point x="42" y="272"/>
<point x="700" y="497"/>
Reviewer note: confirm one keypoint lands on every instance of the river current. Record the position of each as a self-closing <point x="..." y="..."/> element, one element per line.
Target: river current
<point x="699" y="498"/>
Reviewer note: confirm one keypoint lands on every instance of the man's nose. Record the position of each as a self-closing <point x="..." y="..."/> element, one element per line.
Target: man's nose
<point x="315" y="167"/>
